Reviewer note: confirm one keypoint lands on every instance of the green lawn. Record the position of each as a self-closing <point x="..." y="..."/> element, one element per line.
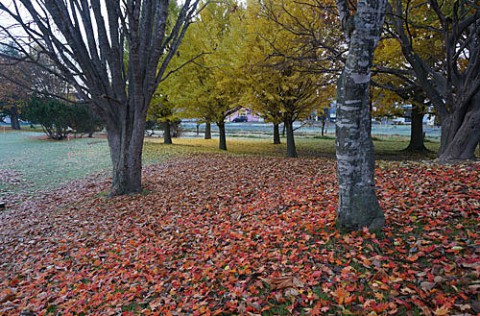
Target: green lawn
<point x="29" y="162"/>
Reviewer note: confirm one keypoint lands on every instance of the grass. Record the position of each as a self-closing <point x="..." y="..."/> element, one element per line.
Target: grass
<point x="29" y="162"/>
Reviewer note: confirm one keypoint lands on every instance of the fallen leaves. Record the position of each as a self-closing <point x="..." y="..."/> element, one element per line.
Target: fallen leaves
<point x="237" y="235"/>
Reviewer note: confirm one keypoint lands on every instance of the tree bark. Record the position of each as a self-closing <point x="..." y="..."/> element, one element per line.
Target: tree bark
<point x="417" y="137"/>
<point x="222" y="145"/>
<point x="276" y="134"/>
<point x="358" y="205"/>
<point x="125" y="138"/>
<point x="167" y="134"/>
<point x="291" y="148"/>
<point x="460" y="135"/>
<point x="208" y="130"/>
<point x="14" y="118"/>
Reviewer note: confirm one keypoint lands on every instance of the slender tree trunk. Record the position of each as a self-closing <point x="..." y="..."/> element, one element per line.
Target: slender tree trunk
<point x="358" y="205"/>
<point x="222" y="145"/>
<point x="417" y="137"/>
<point x="208" y="130"/>
<point x="323" y="126"/>
<point x="14" y="118"/>
<point x="291" y="148"/>
<point x="167" y="134"/>
<point x="276" y="133"/>
<point x="460" y="143"/>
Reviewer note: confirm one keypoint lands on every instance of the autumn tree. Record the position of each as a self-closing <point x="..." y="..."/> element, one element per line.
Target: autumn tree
<point x="14" y="80"/>
<point x="358" y="205"/>
<point x="114" y="53"/>
<point x="163" y="112"/>
<point x="394" y="84"/>
<point x="275" y="85"/>
<point x="206" y="87"/>
<point x="451" y="80"/>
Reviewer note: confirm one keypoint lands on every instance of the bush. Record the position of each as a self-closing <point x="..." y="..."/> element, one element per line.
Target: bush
<point x="58" y="118"/>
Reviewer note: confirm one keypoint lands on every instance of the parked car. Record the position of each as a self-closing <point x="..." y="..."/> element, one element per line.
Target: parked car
<point x="240" y="119"/>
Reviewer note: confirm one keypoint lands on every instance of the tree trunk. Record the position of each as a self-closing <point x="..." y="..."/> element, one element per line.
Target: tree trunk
<point x="167" y="134"/>
<point x="460" y="143"/>
<point x="222" y="145"/>
<point x="125" y="138"/>
<point x="276" y="134"/>
<point x="358" y="205"/>
<point x="291" y="149"/>
<point x="208" y="130"/>
<point x="417" y="136"/>
<point x="14" y="118"/>
<point x="323" y="126"/>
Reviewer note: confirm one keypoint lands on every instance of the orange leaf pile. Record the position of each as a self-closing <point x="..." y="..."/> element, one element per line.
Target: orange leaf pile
<point x="245" y="235"/>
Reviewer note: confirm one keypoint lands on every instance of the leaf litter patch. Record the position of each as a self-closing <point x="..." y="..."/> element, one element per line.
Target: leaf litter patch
<point x="223" y="235"/>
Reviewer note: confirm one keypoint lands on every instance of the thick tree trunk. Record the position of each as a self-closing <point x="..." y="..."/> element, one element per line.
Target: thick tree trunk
<point x="358" y="205"/>
<point x="276" y="134"/>
<point x="167" y="134"/>
<point x="417" y="138"/>
<point x="291" y="148"/>
<point x="222" y="145"/>
<point x="460" y="143"/>
<point x="125" y="138"/>
<point x="208" y="130"/>
<point x="14" y="118"/>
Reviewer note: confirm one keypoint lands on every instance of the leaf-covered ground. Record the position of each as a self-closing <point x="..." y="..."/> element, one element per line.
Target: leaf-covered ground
<point x="218" y="235"/>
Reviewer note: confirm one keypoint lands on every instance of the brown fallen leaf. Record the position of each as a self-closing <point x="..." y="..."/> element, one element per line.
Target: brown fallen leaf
<point x="7" y="295"/>
<point x="284" y="282"/>
<point x="427" y="286"/>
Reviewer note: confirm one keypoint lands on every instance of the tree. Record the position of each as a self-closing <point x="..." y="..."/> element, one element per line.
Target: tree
<point x="206" y="88"/>
<point x="452" y="82"/>
<point x="358" y="205"/>
<point x="274" y="84"/>
<point x="162" y="111"/>
<point x="394" y="83"/>
<point x="115" y="54"/>
<point x="14" y="78"/>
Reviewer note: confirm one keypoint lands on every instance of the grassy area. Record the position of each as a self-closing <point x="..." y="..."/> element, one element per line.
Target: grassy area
<point x="29" y="162"/>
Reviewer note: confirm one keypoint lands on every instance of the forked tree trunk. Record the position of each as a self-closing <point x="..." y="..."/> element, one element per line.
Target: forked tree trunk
<point x="358" y="205"/>
<point x="167" y="134"/>
<point x="208" y="130"/>
<point x="222" y="145"/>
<point x="461" y="133"/>
<point x="291" y="148"/>
<point x="417" y="137"/>
<point x="276" y="134"/>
